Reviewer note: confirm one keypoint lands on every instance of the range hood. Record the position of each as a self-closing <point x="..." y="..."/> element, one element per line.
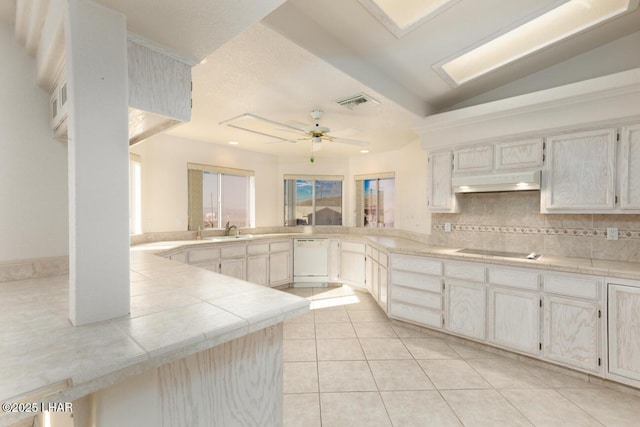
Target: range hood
<point x="514" y="181"/>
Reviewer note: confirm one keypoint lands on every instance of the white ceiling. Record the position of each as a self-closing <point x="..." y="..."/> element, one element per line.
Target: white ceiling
<point x="305" y="54"/>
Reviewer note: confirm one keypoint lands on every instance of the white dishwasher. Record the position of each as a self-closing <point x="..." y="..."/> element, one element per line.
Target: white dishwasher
<point x="310" y="262"/>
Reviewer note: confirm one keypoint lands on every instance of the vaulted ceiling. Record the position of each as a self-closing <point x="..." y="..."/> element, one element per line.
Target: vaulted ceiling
<point x="305" y="55"/>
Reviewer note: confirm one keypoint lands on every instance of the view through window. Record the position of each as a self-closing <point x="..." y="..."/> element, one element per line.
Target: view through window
<point x="376" y="201"/>
<point x="219" y="195"/>
<point x="313" y="201"/>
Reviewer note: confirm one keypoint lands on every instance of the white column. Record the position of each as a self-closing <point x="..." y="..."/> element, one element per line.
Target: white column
<point x="98" y="148"/>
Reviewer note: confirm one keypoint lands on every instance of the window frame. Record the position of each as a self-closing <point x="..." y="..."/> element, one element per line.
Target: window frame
<point x="360" y="198"/>
<point x="289" y="209"/>
<point x="195" y="179"/>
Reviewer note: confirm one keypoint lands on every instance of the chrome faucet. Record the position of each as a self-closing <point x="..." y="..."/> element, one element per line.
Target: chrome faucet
<point x="228" y="228"/>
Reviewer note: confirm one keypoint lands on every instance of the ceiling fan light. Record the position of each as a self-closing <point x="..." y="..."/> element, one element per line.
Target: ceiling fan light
<point x="316" y="140"/>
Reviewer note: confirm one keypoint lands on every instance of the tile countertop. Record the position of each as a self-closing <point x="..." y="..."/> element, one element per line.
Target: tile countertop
<point x="619" y="269"/>
<point x="623" y="270"/>
<point x="176" y="310"/>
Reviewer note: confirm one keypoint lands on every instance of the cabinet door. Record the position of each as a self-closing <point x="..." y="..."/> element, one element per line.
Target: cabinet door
<point x="472" y="160"/>
<point x="235" y="267"/>
<point x="571" y="332"/>
<point x="352" y="268"/>
<point x="579" y="174"/>
<point x="630" y="168"/>
<point x="624" y="332"/>
<point x="514" y="319"/>
<point x="439" y="189"/>
<point x="523" y="154"/>
<point x="466" y="302"/>
<point x="334" y="260"/>
<point x="258" y="269"/>
<point x="369" y="266"/>
<point x="383" y="280"/>
<point x="280" y="269"/>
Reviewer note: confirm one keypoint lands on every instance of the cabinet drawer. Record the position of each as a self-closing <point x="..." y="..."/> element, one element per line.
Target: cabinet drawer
<point x="258" y="249"/>
<point x="233" y="251"/>
<point x="280" y="246"/>
<point x="203" y="255"/>
<point x="417" y="281"/>
<point x="572" y="286"/>
<point x="353" y="247"/>
<point x="465" y="271"/>
<point x="414" y="296"/>
<point x="415" y="314"/>
<point x="416" y="264"/>
<point x="513" y="278"/>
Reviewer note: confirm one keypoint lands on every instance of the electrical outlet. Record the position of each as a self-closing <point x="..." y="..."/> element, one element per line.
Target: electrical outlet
<point x="612" y="233"/>
<point x="447" y="227"/>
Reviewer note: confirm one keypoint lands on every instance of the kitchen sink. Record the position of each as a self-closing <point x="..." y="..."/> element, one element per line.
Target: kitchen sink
<point x="513" y="255"/>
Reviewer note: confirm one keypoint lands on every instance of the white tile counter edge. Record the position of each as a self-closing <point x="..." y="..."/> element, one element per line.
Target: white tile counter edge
<point x="45" y="358"/>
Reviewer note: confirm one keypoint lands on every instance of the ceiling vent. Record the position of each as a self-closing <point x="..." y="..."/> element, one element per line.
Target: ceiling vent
<point x="357" y="100"/>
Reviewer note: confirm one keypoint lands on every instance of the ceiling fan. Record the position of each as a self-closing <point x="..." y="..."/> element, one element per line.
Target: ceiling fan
<point x="281" y="132"/>
<point x="317" y="133"/>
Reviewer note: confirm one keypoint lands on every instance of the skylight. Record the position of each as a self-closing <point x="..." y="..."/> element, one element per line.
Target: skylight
<point x="558" y="24"/>
<point x="400" y="17"/>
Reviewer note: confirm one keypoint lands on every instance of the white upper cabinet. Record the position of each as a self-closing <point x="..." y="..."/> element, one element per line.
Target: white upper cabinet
<point x="579" y="174"/>
<point x="518" y="155"/>
<point x="629" y="161"/>
<point x="440" y="193"/>
<point x="473" y="160"/>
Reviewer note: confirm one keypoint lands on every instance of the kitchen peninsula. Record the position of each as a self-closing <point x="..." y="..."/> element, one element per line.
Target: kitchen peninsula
<point x="198" y="348"/>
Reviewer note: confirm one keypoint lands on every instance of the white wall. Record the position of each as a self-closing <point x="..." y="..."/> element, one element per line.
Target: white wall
<point x="164" y="179"/>
<point x="33" y="166"/>
<point x="410" y="166"/>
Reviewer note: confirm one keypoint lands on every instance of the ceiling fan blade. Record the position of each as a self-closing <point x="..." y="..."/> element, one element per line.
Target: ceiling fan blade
<point x="298" y="131"/>
<point x="350" y="141"/>
<point x="297" y="125"/>
<point x="293" y="141"/>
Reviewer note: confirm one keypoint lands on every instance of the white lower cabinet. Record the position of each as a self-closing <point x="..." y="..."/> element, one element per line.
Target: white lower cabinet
<point x="514" y="309"/>
<point x="415" y="293"/>
<point x="258" y="269"/>
<point x="258" y="263"/>
<point x="514" y="319"/>
<point x="573" y="324"/>
<point x="233" y="260"/>
<point x="571" y="333"/>
<point x="333" y="269"/>
<point x="234" y="267"/>
<point x="352" y="263"/>
<point x="466" y="304"/>
<point x="280" y="263"/>
<point x="376" y="275"/>
<point x="624" y="333"/>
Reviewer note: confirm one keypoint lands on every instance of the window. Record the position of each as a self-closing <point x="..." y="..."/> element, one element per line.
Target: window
<point x="312" y="200"/>
<point x="219" y="195"/>
<point x="375" y="200"/>
<point x="135" y="194"/>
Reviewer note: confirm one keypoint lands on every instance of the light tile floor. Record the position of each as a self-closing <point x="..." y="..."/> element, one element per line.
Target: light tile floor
<point x="347" y="364"/>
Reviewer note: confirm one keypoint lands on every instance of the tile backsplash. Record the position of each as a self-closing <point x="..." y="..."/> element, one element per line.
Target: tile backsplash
<point x="512" y="222"/>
